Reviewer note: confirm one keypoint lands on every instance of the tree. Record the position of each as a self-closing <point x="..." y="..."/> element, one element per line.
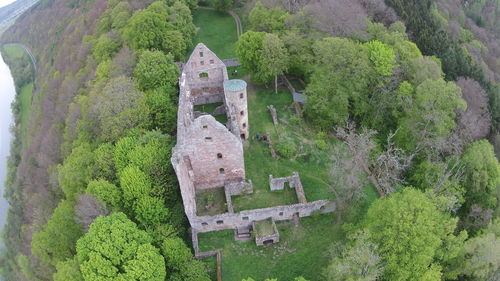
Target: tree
<point x="222" y="5"/>
<point x="481" y="259"/>
<point x="180" y="261"/>
<point x="122" y="149"/>
<point x="87" y="209"/>
<point x="267" y="19"/>
<point x="154" y="70"/>
<point x="341" y="77"/>
<point x="106" y="192"/>
<point x="180" y="16"/>
<point x="357" y="261"/>
<point x="382" y="56"/>
<point x="413" y="235"/>
<point x="249" y="48"/>
<point x="118" y="108"/>
<point x="423" y="68"/>
<point x="68" y="270"/>
<point x="274" y="58"/>
<point x="481" y="175"/>
<point x="475" y="122"/>
<point x="135" y="184"/>
<point x="150" y="29"/>
<point x="429" y="121"/>
<point x="162" y="110"/>
<point x="56" y="241"/>
<point x="115" y="249"/>
<point x="76" y="170"/>
<point x="105" y="47"/>
<point x="104" y="162"/>
<point x="150" y="211"/>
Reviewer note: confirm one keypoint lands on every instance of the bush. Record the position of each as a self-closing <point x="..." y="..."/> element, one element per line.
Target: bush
<point x="286" y="149"/>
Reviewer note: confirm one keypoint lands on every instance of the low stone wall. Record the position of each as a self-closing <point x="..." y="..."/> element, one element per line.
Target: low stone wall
<point x="293" y="181"/>
<point x="238" y="188"/>
<point x="245" y="218"/>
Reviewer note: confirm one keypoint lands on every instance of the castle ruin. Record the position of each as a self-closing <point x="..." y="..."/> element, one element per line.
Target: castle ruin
<point x="209" y="155"/>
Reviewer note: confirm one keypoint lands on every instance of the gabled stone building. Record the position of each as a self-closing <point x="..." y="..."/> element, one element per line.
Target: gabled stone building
<point x="209" y="154"/>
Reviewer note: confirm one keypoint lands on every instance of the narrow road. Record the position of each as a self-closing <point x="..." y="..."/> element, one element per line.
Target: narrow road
<point x="27" y="50"/>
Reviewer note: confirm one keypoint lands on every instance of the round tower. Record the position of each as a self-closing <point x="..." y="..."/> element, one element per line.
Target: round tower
<point x="235" y="92"/>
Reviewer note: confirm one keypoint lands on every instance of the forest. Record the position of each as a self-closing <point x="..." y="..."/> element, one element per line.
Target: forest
<point x="400" y="130"/>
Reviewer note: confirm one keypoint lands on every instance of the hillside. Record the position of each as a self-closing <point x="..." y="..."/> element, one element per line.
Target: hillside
<point x="386" y="113"/>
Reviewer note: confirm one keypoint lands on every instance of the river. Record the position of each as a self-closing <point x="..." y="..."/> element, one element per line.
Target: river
<point x="7" y="95"/>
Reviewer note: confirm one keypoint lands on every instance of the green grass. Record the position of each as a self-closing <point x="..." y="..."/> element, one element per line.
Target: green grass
<point x="300" y="252"/>
<point x="217" y="31"/>
<point x="208" y="108"/>
<point x="13" y="51"/>
<point x="264" y="228"/>
<point x="312" y="164"/>
<point x="25" y="96"/>
<point x="210" y="202"/>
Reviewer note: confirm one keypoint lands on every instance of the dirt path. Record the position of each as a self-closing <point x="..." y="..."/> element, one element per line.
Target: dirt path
<point x="239" y="28"/>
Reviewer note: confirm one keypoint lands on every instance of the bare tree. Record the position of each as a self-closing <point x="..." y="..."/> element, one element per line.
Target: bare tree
<point x="88" y="209"/>
<point x="389" y="166"/>
<point x="347" y="180"/>
<point x="477" y="217"/>
<point x="360" y="145"/>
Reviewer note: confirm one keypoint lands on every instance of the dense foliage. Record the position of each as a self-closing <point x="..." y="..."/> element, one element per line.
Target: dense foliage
<point x="92" y="190"/>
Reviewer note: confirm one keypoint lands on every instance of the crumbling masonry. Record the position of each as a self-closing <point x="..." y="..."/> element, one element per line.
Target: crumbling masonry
<point x="209" y="154"/>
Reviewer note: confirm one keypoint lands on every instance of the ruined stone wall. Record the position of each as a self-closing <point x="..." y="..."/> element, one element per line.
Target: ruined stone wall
<point x="215" y="154"/>
<point x="245" y="218"/>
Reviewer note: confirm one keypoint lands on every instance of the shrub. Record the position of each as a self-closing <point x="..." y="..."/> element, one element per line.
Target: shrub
<point x="286" y="149"/>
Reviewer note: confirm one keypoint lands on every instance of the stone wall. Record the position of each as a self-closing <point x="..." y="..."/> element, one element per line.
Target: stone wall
<point x="215" y="155"/>
<point x="245" y="218"/>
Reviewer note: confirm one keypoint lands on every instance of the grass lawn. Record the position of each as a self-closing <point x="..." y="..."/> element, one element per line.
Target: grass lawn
<point x="210" y="202"/>
<point x="217" y="31"/>
<point x="13" y="51"/>
<point x="312" y="164"/>
<point x="300" y="252"/>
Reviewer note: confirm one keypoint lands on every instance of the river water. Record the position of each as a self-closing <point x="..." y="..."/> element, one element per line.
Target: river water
<point x="7" y="95"/>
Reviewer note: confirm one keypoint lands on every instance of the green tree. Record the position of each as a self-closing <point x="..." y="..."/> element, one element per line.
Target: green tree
<point x="481" y="175"/>
<point x="135" y="184"/>
<point x="180" y="16"/>
<point x="106" y="192"/>
<point x="181" y="263"/>
<point x="118" y="108"/>
<point x="154" y="70"/>
<point x="104" y="162"/>
<point x="150" y="211"/>
<point x="122" y="149"/>
<point x="413" y="235"/>
<point x="357" y="261"/>
<point x="150" y="29"/>
<point x="249" y="49"/>
<point x="76" y="171"/>
<point x="481" y="258"/>
<point x="341" y="77"/>
<point x="382" y="56"/>
<point x="431" y="117"/>
<point x="68" y="270"/>
<point x="222" y="5"/>
<point x="420" y="69"/>
<point x="105" y="47"/>
<point x="56" y="241"/>
<point x="273" y="60"/>
<point x="267" y="19"/>
<point x="162" y="110"/>
<point x="115" y="249"/>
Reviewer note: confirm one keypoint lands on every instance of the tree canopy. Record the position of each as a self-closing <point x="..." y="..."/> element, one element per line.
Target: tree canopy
<point x="413" y="235"/>
<point x="115" y="249"/>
